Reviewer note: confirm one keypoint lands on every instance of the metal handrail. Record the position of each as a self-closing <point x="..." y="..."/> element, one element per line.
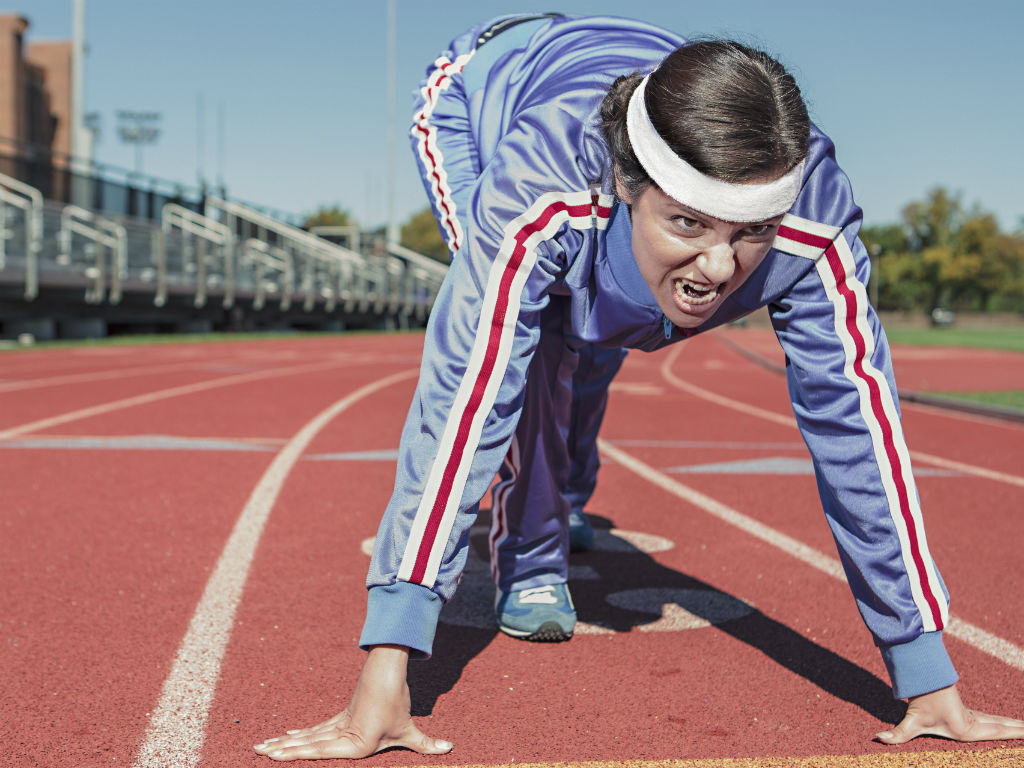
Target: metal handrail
<point x="287" y="231"/>
<point x="208" y="231"/>
<point x="103" y="232"/>
<point x="342" y="273"/>
<point x="425" y="272"/>
<point x="187" y="219"/>
<point x="30" y="200"/>
<point x="322" y="275"/>
<point x="278" y="259"/>
<point x="351" y="231"/>
<point x="432" y="267"/>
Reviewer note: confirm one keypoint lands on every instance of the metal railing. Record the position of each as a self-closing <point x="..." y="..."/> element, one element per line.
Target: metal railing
<point x="423" y="277"/>
<point x="101" y="234"/>
<point x="235" y="253"/>
<point x="207" y="250"/>
<point x="29" y="202"/>
<point x="274" y="272"/>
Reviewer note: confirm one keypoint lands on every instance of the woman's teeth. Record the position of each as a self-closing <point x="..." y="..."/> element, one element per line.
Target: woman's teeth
<point x="692" y="293"/>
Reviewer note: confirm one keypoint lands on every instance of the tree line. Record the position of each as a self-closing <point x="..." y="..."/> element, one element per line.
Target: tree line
<point x="945" y="255"/>
<point x="941" y="254"/>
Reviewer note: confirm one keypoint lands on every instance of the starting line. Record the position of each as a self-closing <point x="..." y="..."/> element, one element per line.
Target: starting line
<point x="993" y="758"/>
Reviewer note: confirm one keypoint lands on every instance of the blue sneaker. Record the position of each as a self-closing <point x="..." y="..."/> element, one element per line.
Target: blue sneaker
<point x="581" y="535"/>
<point x="541" y="614"/>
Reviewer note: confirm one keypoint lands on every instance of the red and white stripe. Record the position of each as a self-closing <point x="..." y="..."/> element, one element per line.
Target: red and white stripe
<point x="499" y="511"/>
<point x="803" y="237"/>
<point x="485" y="371"/>
<point x="877" y="407"/>
<point x="426" y="145"/>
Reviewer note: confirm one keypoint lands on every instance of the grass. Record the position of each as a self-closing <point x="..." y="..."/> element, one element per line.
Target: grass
<point x="1010" y="399"/>
<point x="1008" y="338"/>
<point x="1002" y="337"/>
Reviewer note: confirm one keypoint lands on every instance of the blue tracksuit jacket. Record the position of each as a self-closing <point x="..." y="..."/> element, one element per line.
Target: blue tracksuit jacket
<point x="526" y="199"/>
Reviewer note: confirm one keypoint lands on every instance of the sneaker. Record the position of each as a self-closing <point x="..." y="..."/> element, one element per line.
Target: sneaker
<point x="581" y="535"/>
<point x="542" y="614"/>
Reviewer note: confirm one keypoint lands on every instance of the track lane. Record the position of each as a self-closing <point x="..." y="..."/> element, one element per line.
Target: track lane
<point x="289" y="683"/>
<point x="945" y="515"/>
<point x="177" y="729"/>
<point x="828" y="618"/>
<point x="103" y="556"/>
<point x="305" y="553"/>
<point x="136" y="533"/>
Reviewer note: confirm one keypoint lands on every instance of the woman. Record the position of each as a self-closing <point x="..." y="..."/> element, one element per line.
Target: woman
<point x="591" y="209"/>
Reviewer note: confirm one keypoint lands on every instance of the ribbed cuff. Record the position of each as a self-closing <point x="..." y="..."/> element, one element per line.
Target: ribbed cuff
<point x="401" y="614"/>
<point x="920" y="666"/>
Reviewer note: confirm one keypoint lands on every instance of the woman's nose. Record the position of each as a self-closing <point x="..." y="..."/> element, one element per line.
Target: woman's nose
<point x="717" y="263"/>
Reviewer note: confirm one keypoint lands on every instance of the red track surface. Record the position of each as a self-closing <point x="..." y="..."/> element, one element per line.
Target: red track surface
<point x="107" y="549"/>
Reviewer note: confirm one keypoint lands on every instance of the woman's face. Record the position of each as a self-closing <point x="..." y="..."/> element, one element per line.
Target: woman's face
<point x="692" y="261"/>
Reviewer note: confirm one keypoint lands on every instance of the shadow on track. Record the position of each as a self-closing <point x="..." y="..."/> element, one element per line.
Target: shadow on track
<point x="621" y="600"/>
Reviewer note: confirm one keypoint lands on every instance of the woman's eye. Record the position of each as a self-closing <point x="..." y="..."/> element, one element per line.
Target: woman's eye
<point x="759" y="230"/>
<point x="686" y="222"/>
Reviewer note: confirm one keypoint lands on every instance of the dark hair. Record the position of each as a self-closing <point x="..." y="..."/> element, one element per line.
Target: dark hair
<point x="732" y="112"/>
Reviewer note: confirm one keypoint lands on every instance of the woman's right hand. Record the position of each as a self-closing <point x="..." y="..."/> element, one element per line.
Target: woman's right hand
<point x="377" y="717"/>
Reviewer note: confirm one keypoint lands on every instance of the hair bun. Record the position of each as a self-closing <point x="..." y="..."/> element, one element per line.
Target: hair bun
<point x="615" y="104"/>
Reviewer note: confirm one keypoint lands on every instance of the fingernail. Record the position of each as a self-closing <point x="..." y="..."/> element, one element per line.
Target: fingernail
<point x="884" y="735"/>
<point x="444" y="744"/>
<point x="292" y="732"/>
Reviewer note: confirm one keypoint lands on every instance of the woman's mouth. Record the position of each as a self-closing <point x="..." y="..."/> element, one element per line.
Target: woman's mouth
<point x="693" y="293"/>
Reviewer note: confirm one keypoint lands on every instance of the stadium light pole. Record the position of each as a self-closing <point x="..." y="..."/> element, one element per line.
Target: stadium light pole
<point x="81" y="144"/>
<point x="77" y="78"/>
<point x="393" y="235"/>
<point x="138" y="128"/>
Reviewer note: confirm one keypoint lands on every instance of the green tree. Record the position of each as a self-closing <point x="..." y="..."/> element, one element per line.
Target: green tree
<point x="988" y="270"/>
<point x="420" y="233"/>
<point x="932" y="226"/>
<point x="899" y="273"/>
<point x="943" y="254"/>
<point x="333" y="216"/>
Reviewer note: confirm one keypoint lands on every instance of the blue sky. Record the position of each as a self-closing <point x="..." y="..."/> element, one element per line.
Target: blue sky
<point x="915" y="93"/>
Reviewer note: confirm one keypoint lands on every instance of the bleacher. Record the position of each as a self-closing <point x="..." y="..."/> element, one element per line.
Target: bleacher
<point x="77" y="260"/>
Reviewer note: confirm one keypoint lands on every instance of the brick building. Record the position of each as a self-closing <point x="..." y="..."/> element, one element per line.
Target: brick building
<point x="35" y="89"/>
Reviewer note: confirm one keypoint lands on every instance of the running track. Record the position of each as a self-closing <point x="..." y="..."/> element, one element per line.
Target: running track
<point x="183" y="551"/>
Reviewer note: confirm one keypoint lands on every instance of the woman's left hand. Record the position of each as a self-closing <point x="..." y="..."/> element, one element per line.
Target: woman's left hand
<point x="942" y="713"/>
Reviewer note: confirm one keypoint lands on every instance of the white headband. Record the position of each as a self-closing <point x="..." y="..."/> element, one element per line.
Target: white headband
<point x="684" y="183"/>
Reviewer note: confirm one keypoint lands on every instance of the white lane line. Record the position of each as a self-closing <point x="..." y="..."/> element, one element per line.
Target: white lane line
<point x="988" y="474"/>
<point x="801" y="551"/>
<point x="975" y="636"/>
<point x="78" y="378"/>
<point x="257" y="441"/>
<point x="726" y="402"/>
<point x="161" y="394"/>
<point x="177" y="729"/>
<point x="789" y="421"/>
<point x="198" y="364"/>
